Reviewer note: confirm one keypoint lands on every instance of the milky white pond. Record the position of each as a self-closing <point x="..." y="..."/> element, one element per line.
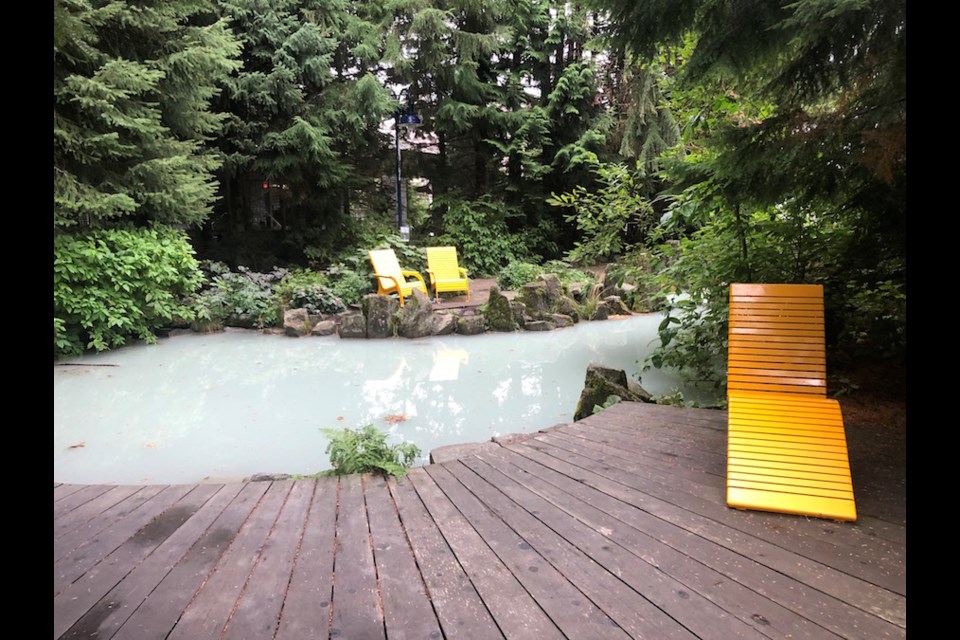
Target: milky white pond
<point x="225" y="406"/>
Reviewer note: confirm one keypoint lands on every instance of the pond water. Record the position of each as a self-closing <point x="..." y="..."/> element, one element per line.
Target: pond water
<point x="223" y="406"/>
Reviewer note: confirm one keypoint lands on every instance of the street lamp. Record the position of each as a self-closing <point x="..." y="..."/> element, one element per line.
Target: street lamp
<point x="409" y="120"/>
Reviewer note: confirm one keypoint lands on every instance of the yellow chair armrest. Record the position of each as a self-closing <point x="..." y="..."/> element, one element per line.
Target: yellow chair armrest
<point x="463" y="273"/>
<point x="413" y="274"/>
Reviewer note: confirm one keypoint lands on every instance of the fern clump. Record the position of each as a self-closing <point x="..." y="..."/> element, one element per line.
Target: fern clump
<point x="365" y="450"/>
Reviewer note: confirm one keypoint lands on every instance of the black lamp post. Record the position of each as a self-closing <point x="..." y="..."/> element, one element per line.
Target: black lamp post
<point x="408" y="119"/>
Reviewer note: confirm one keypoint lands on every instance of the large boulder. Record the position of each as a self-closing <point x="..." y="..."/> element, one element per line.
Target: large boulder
<point x="616" y="307"/>
<point x="241" y="321"/>
<point x="416" y="316"/>
<point x="324" y="328"/>
<point x="519" y="312"/>
<point x="561" y="320"/>
<point x="539" y="325"/>
<point x="470" y="325"/>
<point x="296" y="323"/>
<point x="602" y="312"/>
<point x="379" y="312"/>
<point x="444" y="324"/>
<point x="353" y="325"/>
<point x="536" y="298"/>
<point x="602" y="382"/>
<point x="498" y="313"/>
<point x="553" y="284"/>
<point x="568" y="307"/>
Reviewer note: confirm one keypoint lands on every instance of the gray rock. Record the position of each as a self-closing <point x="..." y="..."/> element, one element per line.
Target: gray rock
<point x="416" y="316"/>
<point x="296" y="323"/>
<point x="600" y="383"/>
<point x="539" y="325"/>
<point x="241" y="320"/>
<point x="499" y="313"/>
<point x="379" y="312"/>
<point x="269" y="477"/>
<point x="444" y="324"/>
<point x="325" y="328"/>
<point x="353" y="325"/>
<point x="552" y="282"/>
<point x="616" y="307"/>
<point x="534" y="296"/>
<point x="561" y="321"/>
<point x="577" y="290"/>
<point x="519" y="312"/>
<point x="470" y="325"/>
<point x="602" y="312"/>
<point x="569" y="307"/>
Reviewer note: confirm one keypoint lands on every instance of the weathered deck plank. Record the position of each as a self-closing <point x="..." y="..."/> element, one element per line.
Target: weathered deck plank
<point x="111" y="611"/>
<point x="258" y="609"/>
<point x="92" y="551"/>
<point x="515" y="611"/>
<point x="634" y="528"/>
<point x="842" y="585"/>
<point x="574" y="614"/>
<point x="885" y="567"/>
<point x="406" y="606"/>
<point x="208" y="613"/>
<point x="306" y="609"/>
<point x="612" y="527"/>
<point x="633" y="612"/>
<point x="357" y="612"/>
<point x="459" y="608"/>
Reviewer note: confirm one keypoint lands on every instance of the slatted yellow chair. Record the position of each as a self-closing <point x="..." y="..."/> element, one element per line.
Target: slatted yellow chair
<point x="786" y="446"/>
<point x="445" y="272"/>
<point x="391" y="278"/>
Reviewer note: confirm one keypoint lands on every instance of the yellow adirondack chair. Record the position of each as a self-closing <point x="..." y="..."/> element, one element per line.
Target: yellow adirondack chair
<point x="391" y="278"/>
<point x="445" y="272"/>
<point x="786" y="447"/>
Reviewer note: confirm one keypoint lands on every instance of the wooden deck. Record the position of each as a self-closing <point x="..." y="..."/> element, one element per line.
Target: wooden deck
<point x="614" y="527"/>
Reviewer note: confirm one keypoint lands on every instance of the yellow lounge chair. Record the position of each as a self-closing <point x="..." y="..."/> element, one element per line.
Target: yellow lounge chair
<point x="786" y="447"/>
<point x="445" y="273"/>
<point x="391" y="278"/>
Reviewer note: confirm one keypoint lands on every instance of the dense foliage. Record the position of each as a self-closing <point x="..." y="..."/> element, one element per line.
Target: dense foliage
<point x="690" y="142"/>
<point x="365" y="450"/>
<point x="132" y="85"/>
<point x="113" y="285"/>
<point x="792" y="167"/>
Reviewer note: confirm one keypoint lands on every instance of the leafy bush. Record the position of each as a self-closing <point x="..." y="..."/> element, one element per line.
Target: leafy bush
<point x="516" y="274"/>
<point x="349" y="285"/>
<point x="113" y="285"/>
<point x="480" y="232"/>
<point x="608" y="217"/>
<point x="308" y="290"/>
<point x="240" y="293"/>
<point x="366" y="450"/>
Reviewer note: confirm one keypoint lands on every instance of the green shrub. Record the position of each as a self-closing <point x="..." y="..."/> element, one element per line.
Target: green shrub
<point x="479" y="231"/>
<point x="366" y="450"/>
<point x="308" y="290"/>
<point x="349" y="285"/>
<point x="516" y="274"/>
<point x="113" y="285"/>
<point x="240" y="293"/>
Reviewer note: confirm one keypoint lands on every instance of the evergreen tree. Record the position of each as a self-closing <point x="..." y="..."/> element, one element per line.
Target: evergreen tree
<point x="132" y="88"/>
<point x="304" y="111"/>
<point x="834" y="76"/>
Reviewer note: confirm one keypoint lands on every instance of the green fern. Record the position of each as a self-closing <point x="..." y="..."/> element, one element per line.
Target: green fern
<point x="365" y="450"/>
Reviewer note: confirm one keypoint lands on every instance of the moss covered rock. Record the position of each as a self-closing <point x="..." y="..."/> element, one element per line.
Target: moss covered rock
<point x="600" y="383"/>
<point x="498" y="314"/>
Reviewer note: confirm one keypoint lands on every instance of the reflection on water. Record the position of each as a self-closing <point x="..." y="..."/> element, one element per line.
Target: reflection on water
<point x="232" y="404"/>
